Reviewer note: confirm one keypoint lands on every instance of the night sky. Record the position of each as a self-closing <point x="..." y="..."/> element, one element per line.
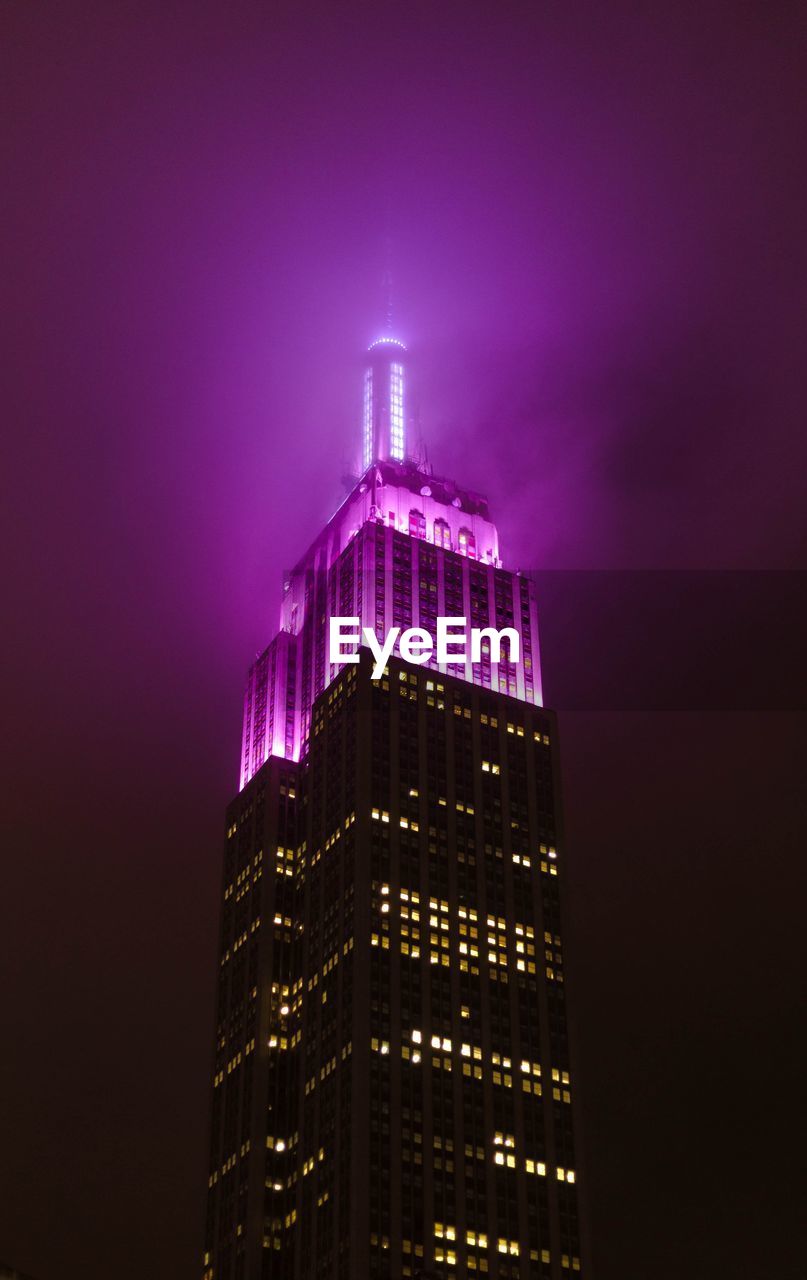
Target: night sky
<point x="597" y="220"/>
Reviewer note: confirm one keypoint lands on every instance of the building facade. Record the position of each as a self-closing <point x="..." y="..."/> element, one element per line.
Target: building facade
<point x="392" y="1085"/>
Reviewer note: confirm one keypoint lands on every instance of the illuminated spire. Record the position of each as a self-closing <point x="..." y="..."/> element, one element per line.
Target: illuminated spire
<point x="384" y="423"/>
<point x="384" y="420"/>
<point x="386" y="284"/>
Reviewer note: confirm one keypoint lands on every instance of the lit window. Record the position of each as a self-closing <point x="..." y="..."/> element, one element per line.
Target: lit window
<point x="417" y="524"/>
<point x="467" y="543"/>
<point x="442" y="534"/>
<point x="396" y="411"/>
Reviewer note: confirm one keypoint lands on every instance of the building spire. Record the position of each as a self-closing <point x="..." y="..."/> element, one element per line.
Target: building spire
<point x="384" y="406"/>
<point x="386" y="284"/>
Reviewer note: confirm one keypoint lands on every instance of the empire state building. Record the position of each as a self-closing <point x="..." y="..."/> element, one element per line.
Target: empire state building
<point x="392" y="1091"/>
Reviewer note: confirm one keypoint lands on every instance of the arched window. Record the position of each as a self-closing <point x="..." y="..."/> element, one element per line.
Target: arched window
<point x="442" y="534"/>
<point x="467" y="544"/>
<point x="417" y="524"/>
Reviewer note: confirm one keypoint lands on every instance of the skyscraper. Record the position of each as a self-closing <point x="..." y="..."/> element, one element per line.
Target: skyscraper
<point x="392" y="1088"/>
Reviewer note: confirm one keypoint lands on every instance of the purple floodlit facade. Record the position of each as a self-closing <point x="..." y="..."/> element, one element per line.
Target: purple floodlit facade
<point x="403" y="548"/>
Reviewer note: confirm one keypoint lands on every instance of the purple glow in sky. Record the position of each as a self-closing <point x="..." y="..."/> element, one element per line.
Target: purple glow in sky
<point x="596" y="215"/>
